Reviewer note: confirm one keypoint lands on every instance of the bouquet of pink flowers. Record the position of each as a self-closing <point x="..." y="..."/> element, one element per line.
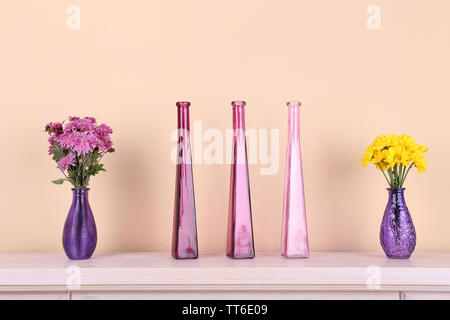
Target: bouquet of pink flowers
<point x="77" y="147"/>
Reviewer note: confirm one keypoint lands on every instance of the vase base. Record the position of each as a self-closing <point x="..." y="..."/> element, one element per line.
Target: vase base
<point x="185" y="258"/>
<point x="295" y="256"/>
<point x="398" y="257"/>
<point x="240" y="257"/>
<point x="79" y="258"/>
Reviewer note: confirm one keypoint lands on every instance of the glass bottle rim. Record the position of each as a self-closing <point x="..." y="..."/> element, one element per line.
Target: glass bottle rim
<point x="238" y="103"/>
<point x="183" y="104"/>
<point x="294" y="103"/>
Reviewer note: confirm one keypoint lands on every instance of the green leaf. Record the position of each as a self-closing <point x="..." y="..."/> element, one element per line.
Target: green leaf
<point x="58" y="153"/>
<point x="59" y="181"/>
<point x="95" y="168"/>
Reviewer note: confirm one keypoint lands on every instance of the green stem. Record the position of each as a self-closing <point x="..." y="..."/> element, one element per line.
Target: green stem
<point x="395" y="176"/>
<point x="398" y="174"/>
<point x="404" y="177"/>
<point x="402" y="171"/>
<point x="384" y="174"/>
<point x="65" y="175"/>
<point x="391" y="178"/>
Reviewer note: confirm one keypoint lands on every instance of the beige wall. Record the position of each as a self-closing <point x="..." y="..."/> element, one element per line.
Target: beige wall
<point x="132" y="60"/>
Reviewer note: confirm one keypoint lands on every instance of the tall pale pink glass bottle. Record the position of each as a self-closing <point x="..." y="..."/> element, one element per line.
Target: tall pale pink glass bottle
<point x="240" y="229"/>
<point x="184" y="236"/>
<point x="294" y="235"/>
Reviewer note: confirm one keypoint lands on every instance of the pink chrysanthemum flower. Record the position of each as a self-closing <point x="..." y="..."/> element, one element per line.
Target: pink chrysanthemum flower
<point x="54" y="127"/>
<point x="68" y="139"/>
<point x="104" y="141"/>
<point x="84" y="142"/>
<point x="83" y="136"/>
<point x="64" y="163"/>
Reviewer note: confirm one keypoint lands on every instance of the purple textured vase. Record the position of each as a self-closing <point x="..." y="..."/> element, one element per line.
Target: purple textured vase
<point x="294" y="235"/>
<point x="240" y="230"/>
<point x="184" y="236"/>
<point x="80" y="233"/>
<point x="397" y="234"/>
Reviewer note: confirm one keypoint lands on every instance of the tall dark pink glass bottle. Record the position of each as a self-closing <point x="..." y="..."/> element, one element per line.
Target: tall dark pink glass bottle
<point x="294" y="235"/>
<point x="184" y="237"/>
<point x="240" y="229"/>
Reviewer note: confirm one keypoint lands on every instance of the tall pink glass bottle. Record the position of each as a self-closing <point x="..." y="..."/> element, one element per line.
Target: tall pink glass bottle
<point x="184" y="237"/>
<point x="294" y="235"/>
<point x="240" y="230"/>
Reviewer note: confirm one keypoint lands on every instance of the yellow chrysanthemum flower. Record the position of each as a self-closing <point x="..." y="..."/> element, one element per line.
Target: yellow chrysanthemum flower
<point x="367" y="157"/>
<point x="419" y="162"/>
<point x="396" y="155"/>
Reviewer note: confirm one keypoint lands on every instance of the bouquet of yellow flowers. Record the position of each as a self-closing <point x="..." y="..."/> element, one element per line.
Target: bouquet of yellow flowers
<point x="396" y="155"/>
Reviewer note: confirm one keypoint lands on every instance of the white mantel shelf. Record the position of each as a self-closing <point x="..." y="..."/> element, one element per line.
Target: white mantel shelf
<point x="269" y="276"/>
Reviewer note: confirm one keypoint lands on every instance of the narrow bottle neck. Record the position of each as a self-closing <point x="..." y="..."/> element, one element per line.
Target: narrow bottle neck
<point x="80" y="193"/>
<point x="396" y="195"/>
<point x="183" y="115"/>
<point x="239" y="115"/>
<point x="399" y="192"/>
<point x="293" y="119"/>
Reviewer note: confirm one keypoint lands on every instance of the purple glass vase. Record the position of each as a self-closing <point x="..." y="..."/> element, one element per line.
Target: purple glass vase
<point x="184" y="236"/>
<point x="240" y="230"/>
<point x="397" y="234"/>
<point x="294" y="235"/>
<point x="80" y="233"/>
